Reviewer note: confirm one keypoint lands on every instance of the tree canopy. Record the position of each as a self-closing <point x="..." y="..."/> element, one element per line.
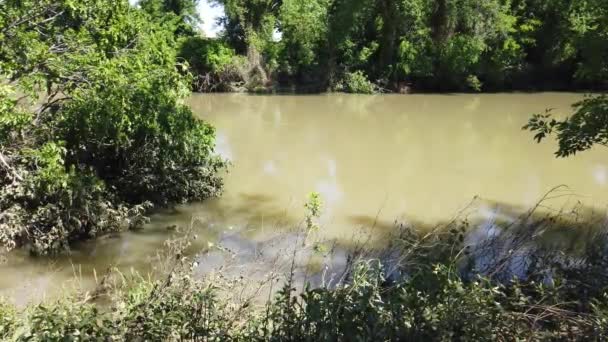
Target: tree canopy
<point x="445" y="45"/>
<point x="93" y="122"/>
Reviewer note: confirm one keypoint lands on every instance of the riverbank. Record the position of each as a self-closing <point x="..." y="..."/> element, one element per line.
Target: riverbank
<point x="362" y="47"/>
<point x="416" y="159"/>
<point x="442" y="284"/>
<point x="93" y="126"/>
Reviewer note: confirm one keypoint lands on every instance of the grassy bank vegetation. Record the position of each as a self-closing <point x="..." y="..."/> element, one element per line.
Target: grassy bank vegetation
<point x="454" y="282"/>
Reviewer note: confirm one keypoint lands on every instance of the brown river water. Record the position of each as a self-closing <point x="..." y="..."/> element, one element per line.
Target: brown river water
<point x="373" y="159"/>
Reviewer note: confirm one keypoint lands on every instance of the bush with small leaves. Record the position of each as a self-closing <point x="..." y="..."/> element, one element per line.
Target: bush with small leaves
<point x="358" y="83"/>
<point x="111" y="135"/>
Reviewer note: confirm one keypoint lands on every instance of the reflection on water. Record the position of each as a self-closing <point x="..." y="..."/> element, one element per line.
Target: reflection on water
<point x="419" y="157"/>
<point x="373" y="159"/>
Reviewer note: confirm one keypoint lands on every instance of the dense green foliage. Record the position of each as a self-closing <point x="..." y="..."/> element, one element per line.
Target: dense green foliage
<point x="182" y="15"/>
<point x="100" y="130"/>
<point x="215" y="65"/>
<point x="445" y="45"/>
<point x="588" y="126"/>
<point x="357" y="82"/>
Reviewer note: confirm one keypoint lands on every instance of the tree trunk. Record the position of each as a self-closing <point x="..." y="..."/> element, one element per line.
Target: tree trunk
<point x="254" y="58"/>
<point x="390" y="16"/>
<point x="440" y="22"/>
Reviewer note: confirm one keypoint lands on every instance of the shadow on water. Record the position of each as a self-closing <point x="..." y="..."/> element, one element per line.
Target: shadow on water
<point x="252" y="209"/>
<point x="489" y="237"/>
<point x="505" y="243"/>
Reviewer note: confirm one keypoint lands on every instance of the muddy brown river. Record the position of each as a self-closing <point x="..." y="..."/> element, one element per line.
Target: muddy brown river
<point x="374" y="160"/>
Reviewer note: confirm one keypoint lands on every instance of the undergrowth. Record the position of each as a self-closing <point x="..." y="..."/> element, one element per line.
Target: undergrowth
<point x="435" y="285"/>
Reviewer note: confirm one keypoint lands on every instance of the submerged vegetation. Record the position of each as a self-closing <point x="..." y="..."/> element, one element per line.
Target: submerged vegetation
<point x="93" y="125"/>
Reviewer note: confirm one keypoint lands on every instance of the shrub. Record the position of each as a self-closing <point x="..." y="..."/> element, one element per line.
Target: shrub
<point x="213" y="63"/>
<point x="473" y="83"/>
<point x="357" y="83"/>
<point x="8" y="319"/>
<point x="68" y="321"/>
<point x="432" y="305"/>
<point x="112" y="135"/>
<point x="205" y="54"/>
<point x="52" y="207"/>
<point x="434" y="298"/>
<point x="133" y="129"/>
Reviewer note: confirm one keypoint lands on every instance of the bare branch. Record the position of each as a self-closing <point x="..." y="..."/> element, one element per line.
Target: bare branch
<point x="9" y="168"/>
